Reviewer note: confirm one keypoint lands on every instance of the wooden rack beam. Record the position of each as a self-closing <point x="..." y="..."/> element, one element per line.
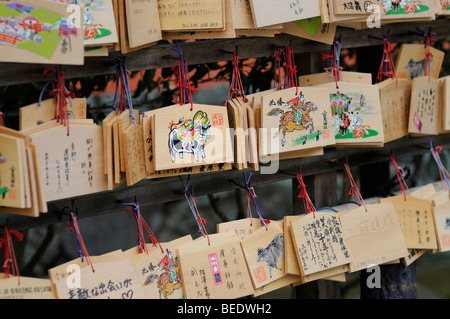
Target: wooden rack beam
<point x="150" y="192"/>
<point x="208" y="51"/>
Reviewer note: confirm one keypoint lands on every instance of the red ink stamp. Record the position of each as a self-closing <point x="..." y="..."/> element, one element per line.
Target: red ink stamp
<point x="417" y="122"/>
<point x="217" y="119"/>
<point x="215" y="268"/>
<point x="260" y="274"/>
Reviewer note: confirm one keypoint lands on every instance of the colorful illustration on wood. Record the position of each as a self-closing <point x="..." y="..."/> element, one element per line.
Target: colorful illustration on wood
<point x="296" y="118"/>
<point x="272" y="253"/>
<point x="348" y="112"/>
<point x="166" y="275"/>
<point x="445" y="5"/>
<point x="97" y="20"/>
<point x="393" y="7"/>
<point x="34" y="29"/>
<point x="189" y="136"/>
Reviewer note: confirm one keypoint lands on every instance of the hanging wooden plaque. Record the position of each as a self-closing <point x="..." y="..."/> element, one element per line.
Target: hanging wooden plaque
<point x="411" y="64"/>
<point x="416" y="221"/>
<point x="374" y="236"/>
<point x="142" y="22"/>
<point x="25" y="288"/>
<point x="320" y="244"/>
<point x="214" y="270"/>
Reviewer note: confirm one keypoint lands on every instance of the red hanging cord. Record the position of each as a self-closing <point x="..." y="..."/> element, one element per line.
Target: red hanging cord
<point x="277" y="78"/>
<point x="354" y="191"/>
<point x="400" y="176"/>
<point x="2" y="123"/>
<point x="428" y="55"/>
<point x="236" y="87"/>
<point x="9" y="255"/>
<point x="73" y="225"/>
<point x="387" y="67"/>
<point x="309" y="206"/>
<point x="336" y="68"/>
<point x="291" y="68"/>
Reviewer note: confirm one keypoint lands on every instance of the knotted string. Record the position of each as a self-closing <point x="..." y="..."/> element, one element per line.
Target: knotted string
<point x="251" y="197"/>
<point x="308" y="204"/>
<point x="291" y="68"/>
<point x="193" y="206"/>
<point x="435" y="151"/>
<point x="236" y="88"/>
<point x="387" y="68"/>
<point x="141" y="224"/>
<point x="122" y="90"/>
<point x="9" y="255"/>
<point x="60" y="96"/>
<point x="184" y="96"/>
<point x="335" y="57"/>
<point x="81" y="247"/>
<point x="400" y="176"/>
<point x="428" y="40"/>
<point x="354" y="191"/>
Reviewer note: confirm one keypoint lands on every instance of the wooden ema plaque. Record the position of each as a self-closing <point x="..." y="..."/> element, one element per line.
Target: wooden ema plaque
<point x="53" y="40"/>
<point x="395" y="100"/>
<point x="319" y="244"/>
<point x="186" y="138"/>
<point x="410" y="63"/>
<point x="28" y="288"/>
<point x="70" y="165"/>
<point x="159" y="272"/>
<point x="264" y="254"/>
<point x="416" y="221"/>
<point x="444" y="98"/>
<point x="270" y="12"/>
<point x="241" y="228"/>
<point x="175" y="15"/>
<point x="441" y="214"/>
<point x="424" y="109"/>
<point x="295" y="119"/>
<point x="214" y="271"/>
<point x="143" y="25"/>
<point x="374" y="236"/>
<point x="35" y="114"/>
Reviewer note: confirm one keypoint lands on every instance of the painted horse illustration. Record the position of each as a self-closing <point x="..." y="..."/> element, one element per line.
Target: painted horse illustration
<point x="170" y="280"/>
<point x="189" y="136"/>
<point x="296" y="119"/>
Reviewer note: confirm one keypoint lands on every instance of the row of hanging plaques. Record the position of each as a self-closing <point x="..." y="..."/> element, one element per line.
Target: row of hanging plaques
<point x="81" y="157"/>
<point x="248" y="258"/>
<point x="64" y="32"/>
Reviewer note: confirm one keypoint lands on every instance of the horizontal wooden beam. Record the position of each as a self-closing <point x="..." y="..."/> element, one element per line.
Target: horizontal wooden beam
<point x="208" y="51"/>
<point x="150" y="192"/>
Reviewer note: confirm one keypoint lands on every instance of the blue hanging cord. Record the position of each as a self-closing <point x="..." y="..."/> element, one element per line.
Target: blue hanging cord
<point x="191" y="204"/>
<point x="439" y="164"/>
<point x="247" y="187"/>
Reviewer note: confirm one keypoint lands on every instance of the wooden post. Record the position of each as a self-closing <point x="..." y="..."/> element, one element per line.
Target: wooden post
<point x="321" y="189"/>
<point x="396" y="280"/>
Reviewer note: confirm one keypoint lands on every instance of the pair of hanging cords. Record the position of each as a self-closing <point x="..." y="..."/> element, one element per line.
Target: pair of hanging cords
<point x="428" y="41"/>
<point x="81" y="247"/>
<point x="236" y="88"/>
<point x="354" y="191"/>
<point x="400" y="176"/>
<point x="251" y="198"/>
<point x="184" y="95"/>
<point x="141" y="224"/>
<point x="308" y="204"/>
<point x="60" y="95"/>
<point x="335" y="57"/>
<point x="122" y="90"/>
<point x="435" y="151"/>
<point x="9" y="255"/>
<point x="193" y="206"/>
<point x="387" y="68"/>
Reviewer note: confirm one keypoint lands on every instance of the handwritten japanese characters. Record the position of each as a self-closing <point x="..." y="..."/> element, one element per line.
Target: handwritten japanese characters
<point x="214" y="268"/>
<point x="373" y="235"/>
<point x="25" y="288"/>
<point x="143" y="22"/>
<point x="319" y="243"/>
<point x="416" y="221"/>
<point x="424" y="110"/>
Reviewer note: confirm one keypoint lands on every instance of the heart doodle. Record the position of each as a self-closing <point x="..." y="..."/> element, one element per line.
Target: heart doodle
<point x="128" y="295"/>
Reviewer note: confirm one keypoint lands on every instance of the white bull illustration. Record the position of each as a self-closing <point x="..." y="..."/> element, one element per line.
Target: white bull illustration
<point x="189" y="136"/>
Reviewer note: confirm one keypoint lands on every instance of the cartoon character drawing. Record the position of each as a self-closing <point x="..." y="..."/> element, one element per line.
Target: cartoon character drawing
<point x="416" y="68"/>
<point x="170" y="279"/>
<point x="272" y="253"/>
<point x="298" y="118"/>
<point x="189" y="136"/>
